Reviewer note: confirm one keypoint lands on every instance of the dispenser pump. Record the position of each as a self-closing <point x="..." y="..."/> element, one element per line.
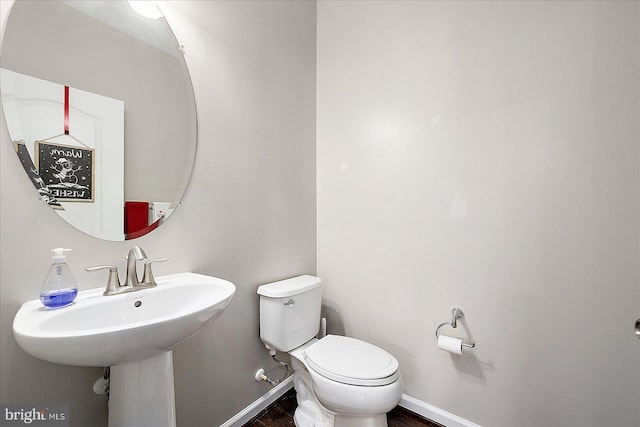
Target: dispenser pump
<point x="59" y="288"/>
<point x="58" y="255"/>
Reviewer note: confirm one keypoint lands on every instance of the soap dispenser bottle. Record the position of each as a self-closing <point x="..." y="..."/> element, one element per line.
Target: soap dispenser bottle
<point x="59" y="288"/>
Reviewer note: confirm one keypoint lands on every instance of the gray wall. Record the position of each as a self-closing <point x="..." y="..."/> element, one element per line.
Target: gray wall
<point x="485" y="154"/>
<point x="248" y="215"/>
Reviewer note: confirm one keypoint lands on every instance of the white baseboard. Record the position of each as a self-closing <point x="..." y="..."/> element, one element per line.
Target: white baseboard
<point x="260" y="404"/>
<point x="411" y="403"/>
<point x="435" y="414"/>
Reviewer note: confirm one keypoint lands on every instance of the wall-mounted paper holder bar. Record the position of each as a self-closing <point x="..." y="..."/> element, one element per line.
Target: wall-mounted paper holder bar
<point x="456" y="313"/>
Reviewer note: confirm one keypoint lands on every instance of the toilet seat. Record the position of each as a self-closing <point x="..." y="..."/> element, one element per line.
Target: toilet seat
<point x="351" y="361"/>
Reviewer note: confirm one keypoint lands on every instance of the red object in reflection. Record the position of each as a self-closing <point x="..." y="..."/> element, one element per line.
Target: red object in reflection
<point x="136" y="216"/>
<point x="66" y="110"/>
<point x="143" y="231"/>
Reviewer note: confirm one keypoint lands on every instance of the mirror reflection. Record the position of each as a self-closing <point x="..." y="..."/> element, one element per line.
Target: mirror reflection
<point x="100" y="108"/>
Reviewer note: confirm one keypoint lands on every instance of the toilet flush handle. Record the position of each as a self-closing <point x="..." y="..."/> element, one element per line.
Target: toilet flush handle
<point x="290" y="303"/>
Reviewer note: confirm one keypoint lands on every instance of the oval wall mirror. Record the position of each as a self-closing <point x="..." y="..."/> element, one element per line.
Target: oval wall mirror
<point x="101" y="112"/>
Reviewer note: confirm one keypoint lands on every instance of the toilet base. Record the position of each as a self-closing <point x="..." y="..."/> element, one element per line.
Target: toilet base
<point x="309" y="413"/>
<point x="303" y="419"/>
<point x="349" y="421"/>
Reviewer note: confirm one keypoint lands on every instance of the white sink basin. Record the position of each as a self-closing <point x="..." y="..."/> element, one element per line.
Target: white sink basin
<point x="99" y="330"/>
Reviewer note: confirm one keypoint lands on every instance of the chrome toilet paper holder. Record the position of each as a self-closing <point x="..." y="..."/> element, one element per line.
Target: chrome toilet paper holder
<point x="456" y="313"/>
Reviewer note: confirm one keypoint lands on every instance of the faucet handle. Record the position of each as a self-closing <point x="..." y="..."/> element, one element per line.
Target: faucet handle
<point x="147" y="277"/>
<point x="113" y="282"/>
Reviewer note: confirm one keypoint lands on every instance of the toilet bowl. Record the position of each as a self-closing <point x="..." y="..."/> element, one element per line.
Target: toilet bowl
<point x="339" y="380"/>
<point x="356" y="382"/>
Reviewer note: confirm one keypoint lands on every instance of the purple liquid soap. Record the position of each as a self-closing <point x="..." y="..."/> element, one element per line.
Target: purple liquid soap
<point x="58" y="298"/>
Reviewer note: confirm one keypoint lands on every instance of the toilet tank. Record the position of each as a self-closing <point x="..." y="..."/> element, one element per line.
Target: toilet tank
<point x="290" y="312"/>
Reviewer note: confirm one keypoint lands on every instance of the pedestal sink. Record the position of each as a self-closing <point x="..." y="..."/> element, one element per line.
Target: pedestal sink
<point x="133" y="333"/>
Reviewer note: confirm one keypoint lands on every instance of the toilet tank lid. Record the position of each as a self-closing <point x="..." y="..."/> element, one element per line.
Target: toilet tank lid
<point x="289" y="287"/>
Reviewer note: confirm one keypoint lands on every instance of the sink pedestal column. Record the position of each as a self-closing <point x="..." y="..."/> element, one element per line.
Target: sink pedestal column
<point x="142" y="393"/>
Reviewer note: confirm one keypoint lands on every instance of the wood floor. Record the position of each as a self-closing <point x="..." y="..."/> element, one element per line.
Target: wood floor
<point x="280" y="414"/>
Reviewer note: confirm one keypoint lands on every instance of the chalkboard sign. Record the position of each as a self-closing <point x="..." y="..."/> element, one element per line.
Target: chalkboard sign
<point x="66" y="170"/>
<point x="30" y="169"/>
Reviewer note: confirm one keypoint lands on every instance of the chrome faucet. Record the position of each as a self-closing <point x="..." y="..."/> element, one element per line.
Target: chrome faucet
<point x="148" y="281"/>
<point x="132" y="283"/>
<point x="135" y="254"/>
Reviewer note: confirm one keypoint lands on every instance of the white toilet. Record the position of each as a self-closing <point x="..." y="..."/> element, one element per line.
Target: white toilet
<point x="338" y="380"/>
